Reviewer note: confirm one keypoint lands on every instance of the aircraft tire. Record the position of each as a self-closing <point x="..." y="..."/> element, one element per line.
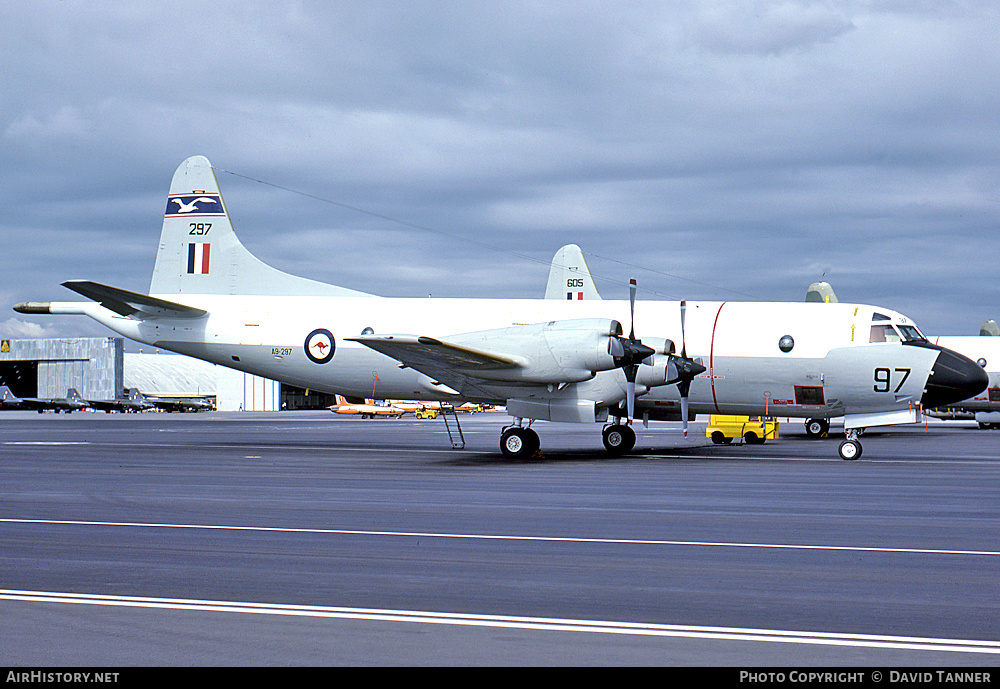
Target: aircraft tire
<point x="618" y="439"/>
<point x="817" y="428"/>
<point x="533" y="441"/>
<point x="518" y="443"/>
<point x="850" y="450"/>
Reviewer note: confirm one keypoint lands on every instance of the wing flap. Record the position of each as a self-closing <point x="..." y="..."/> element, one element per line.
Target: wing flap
<point x="132" y="304"/>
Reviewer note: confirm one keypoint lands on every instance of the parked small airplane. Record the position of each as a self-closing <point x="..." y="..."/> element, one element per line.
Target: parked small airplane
<point x="369" y="410"/>
<point x="135" y="402"/>
<point x="415" y="407"/>
<point x="72" y="402"/>
<point x="8" y="400"/>
<point x="181" y="404"/>
<point x="543" y="359"/>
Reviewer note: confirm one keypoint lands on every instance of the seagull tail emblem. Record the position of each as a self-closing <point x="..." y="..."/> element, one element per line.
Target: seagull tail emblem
<point x="191" y="207"/>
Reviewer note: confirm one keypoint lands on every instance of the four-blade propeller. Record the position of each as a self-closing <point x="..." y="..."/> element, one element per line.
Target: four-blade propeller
<point x="630" y="352"/>
<point x="684" y="370"/>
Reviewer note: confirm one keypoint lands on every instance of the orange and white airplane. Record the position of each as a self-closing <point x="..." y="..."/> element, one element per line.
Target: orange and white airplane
<point x="370" y="409"/>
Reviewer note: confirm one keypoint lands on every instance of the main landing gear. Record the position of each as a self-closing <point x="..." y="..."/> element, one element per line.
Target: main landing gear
<point x="618" y="438"/>
<point x="817" y="428"/>
<point x="519" y="442"/>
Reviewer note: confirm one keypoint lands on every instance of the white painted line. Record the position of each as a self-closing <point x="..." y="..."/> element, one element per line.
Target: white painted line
<point x="502" y="621"/>
<point x="507" y="537"/>
<point x="52" y="442"/>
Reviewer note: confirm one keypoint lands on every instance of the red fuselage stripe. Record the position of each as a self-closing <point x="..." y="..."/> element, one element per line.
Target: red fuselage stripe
<point x="711" y="358"/>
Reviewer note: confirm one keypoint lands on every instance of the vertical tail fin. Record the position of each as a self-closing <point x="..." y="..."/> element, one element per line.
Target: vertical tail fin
<point x="821" y="292"/>
<point x="569" y="276"/>
<point x="72" y="395"/>
<point x="199" y="252"/>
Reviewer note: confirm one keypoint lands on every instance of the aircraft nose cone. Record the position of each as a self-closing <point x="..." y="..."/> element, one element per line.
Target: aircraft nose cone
<point x="954" y="378"/>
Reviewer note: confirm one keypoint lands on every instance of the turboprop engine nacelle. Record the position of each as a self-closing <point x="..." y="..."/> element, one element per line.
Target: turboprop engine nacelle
<point x="552" y="353"/>
<point x="657" y="369"/>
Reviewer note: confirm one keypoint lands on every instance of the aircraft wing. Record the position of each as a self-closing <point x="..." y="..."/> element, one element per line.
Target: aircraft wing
<point x="127" y="303"/>
<point x="454" y="365"/>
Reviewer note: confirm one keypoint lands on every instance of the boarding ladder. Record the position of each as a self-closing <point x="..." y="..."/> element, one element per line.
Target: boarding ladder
<point x="459" y="443"/>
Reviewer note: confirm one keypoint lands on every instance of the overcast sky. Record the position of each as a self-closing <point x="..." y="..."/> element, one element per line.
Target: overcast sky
<point x="721" y="151"/>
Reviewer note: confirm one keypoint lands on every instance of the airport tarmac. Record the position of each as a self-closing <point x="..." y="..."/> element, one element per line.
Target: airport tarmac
<point x="307" y="538"/>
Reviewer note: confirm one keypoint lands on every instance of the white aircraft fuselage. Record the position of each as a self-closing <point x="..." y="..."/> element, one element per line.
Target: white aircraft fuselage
<point x="738" y="343"/>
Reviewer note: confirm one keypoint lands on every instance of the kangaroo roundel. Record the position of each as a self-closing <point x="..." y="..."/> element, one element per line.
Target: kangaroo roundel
<point x="320" y="346"/>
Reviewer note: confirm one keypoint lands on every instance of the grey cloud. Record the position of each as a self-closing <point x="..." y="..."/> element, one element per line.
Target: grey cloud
<point x="717" y="150"/>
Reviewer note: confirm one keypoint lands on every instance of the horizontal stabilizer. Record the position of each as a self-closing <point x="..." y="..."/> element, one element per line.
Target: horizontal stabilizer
<point x="132" y="304"/>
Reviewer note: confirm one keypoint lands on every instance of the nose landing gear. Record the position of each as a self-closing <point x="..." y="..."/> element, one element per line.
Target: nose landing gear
<point x="850" y="449"/>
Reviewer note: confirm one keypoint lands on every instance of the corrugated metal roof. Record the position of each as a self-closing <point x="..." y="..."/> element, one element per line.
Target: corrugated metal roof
<point x="170" y="375"/>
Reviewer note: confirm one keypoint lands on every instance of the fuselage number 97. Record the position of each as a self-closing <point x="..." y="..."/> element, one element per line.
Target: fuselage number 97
<point x="884" y="378"/>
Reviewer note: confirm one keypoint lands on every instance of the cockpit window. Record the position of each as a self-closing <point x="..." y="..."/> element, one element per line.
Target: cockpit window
<point x="898" y="333"/>
<point x="880" y="317"/>
<point x="910" y="334"/>
<point x="884" y="333"/>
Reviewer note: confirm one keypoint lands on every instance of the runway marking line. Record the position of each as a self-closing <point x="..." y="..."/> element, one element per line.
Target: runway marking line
<point x="503" y="621"/>
<point x="47" y="442"/>
<point x="507" y="537"/>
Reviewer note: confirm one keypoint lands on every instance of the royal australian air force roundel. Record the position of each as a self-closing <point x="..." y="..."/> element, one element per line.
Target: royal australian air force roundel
<point x="320" y="345"/>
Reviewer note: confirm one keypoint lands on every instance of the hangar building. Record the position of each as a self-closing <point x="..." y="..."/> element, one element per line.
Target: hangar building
<point x="95" y="366"/>
<point x="100" y="369"/>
